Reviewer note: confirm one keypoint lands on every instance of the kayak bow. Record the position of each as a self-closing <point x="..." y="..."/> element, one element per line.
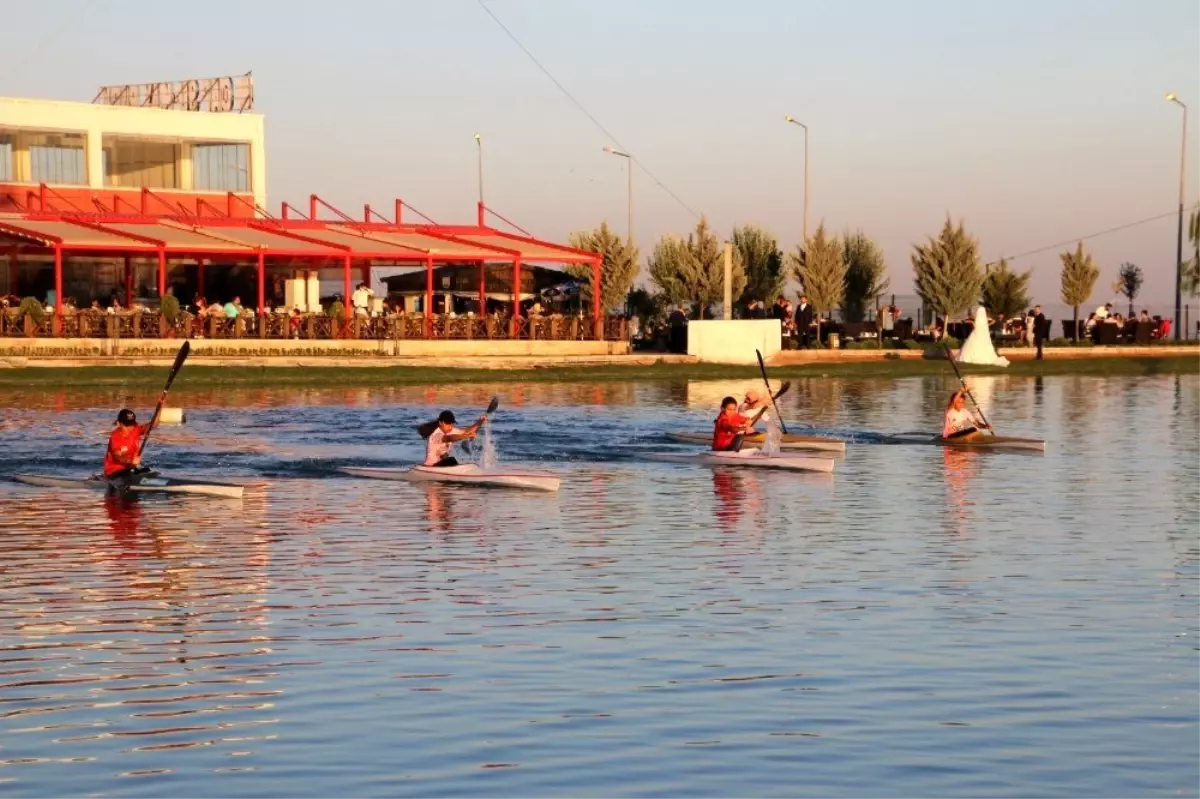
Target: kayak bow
<point x="786" y="441"/>
<point x="463" y="474"/>
<point x="149" y="482"/>
<point x="747" y="458"/>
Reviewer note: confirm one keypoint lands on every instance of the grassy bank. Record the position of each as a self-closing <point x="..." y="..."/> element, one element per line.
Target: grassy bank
<point x="196" y="375"/>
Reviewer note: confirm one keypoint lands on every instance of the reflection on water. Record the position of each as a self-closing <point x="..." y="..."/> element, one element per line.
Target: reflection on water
<point x="923" y="622"/>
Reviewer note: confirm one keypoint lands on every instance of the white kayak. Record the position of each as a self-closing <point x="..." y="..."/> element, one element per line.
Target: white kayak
<point x="976" y="440"/>
<point x="150" y="482"/>
<point x="786" y="441"/>
<point x="463" y="474"/>
<point x="747" y="458"/>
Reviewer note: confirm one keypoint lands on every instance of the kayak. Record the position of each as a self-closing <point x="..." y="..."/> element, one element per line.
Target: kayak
<point x="149" y="482"/>
<point x="787" y="441"/>
<point x="747" y="458"/>
<point x="463" y="474"/>
<point x="971" y="441"/>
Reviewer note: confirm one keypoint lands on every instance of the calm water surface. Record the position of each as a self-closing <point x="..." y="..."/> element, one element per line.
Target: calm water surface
<point x="923" y="623"/>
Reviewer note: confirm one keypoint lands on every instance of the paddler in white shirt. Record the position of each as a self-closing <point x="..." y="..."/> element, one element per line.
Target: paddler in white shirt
<point x="752" y="404"/>
<point x="440" y="441"/>
<point x="960" y="420"/>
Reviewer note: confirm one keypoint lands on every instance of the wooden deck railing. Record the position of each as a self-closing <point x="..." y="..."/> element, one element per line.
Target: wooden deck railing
<point x="397" y="327"/>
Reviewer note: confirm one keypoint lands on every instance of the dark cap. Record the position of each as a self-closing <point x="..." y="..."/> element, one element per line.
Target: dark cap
<point x="446" y="417"/>
<point x="126" y="417"/>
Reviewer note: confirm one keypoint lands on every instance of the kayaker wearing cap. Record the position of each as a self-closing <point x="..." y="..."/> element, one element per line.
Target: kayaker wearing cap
<point x="124" y="444"/>
<point x="730" y="427"/>
<point x="437" y="446"/>
<point x="752" y="404"/>
<point x="960" y="420"/>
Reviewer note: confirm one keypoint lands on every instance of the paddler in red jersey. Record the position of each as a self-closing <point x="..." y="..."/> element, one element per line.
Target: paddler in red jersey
<point x="960" y="420"/>
<point x="730" y="427"/>
<point x="124" y="445"/>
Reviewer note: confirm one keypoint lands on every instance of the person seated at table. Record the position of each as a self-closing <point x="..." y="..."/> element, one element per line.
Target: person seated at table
<point x="233" y="308"/>
<point x="1144" y="316"/>
<point x="1090" y="324"/>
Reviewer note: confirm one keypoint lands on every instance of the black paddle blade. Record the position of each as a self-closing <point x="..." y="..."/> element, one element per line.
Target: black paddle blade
<point x="761" y="364"/>
<point x="492" y="406"/>
<point x="426" y="430"/>
<point x="783" y="389"/>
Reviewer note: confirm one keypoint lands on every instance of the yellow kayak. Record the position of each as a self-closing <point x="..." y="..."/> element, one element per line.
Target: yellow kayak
<point x="788" y="441"/>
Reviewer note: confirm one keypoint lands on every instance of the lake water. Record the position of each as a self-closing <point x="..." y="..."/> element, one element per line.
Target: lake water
<point x="922" y="623"/>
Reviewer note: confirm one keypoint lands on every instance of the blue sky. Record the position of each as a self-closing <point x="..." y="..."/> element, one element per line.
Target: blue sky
<point x="1034" y="121"/>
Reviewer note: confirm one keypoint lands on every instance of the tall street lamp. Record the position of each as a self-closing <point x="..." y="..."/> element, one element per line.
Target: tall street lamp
<point x="629" y="199"/>
<point x="1171" y="98"/>
<point x="479" y="145"/>
<point x="795" y="121"/>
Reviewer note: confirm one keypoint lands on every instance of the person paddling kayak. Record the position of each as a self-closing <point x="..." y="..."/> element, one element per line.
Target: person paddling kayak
<point x="753" y="403"/>
<point x="438" y="445"/>
<point x="730" y="427"/>
<point x="960" y="420"/>
<point x="123" y="455"/>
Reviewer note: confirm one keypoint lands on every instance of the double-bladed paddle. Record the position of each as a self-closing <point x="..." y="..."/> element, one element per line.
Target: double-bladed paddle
<point x="767" y="383"/>
<point x="782" y="390"/>
<point x="179" y="359"/>
<point x="963" y="383"/>
<point x="426" y="429"/>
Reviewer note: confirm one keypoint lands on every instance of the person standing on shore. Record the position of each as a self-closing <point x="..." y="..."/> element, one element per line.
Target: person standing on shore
<point x="804" y="320"/>
<point x="1039" y="329"/>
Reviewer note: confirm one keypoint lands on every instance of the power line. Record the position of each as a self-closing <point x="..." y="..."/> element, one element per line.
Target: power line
<point x="1092" y="235"/>
<point x="585" y="112"/>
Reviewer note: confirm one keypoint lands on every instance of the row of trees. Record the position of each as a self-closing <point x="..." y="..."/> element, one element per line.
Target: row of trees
<point x="845" y="273"/>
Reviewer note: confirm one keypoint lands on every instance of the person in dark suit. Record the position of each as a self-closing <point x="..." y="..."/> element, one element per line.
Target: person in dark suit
<point x="1040" y="326"/>
<point x="804" y="320"/>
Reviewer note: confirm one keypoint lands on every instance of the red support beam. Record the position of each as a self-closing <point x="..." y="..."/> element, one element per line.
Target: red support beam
<point x="162" y="273"/>
<point x="516" y="289"/>
<point x="482" y="288"/>
<point x="399" y="210"/>
<point x="345" y="282"/>
<point x="262" y="283"/>
<point x="229" y="200"/>
<point x="58" y="289"/>
<point x="312" y="206"/>
<point x="128" y="282"/>
<point x="480" y="213"/>
<point x="429" y="297"/>
<point x="596" y="309"/>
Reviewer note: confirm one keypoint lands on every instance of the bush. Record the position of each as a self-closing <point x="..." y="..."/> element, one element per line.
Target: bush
<point x="861" y="345"/>
<point x="170" y="308"/>
<point x="33" y="309"/>
<point x="913" y="344"/>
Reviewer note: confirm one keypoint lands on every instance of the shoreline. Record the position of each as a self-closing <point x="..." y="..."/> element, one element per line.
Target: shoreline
<point x="213" y="371"/>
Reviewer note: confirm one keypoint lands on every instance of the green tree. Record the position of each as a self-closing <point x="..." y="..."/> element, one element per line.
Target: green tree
<point x="650" y="308"/>
<point x="617" y="272"/>
<point x="762" y="262"/>
<point x="1191" y="267"/>
<point x="820" y="266"/>
<point x="692" y="272"/>
<point x="865" y="280"/>
<point x="1006" y="292"/>
<point x="947" y="271"/>
<point x="1079" y="276"/>
<point x="1129" y="282"/>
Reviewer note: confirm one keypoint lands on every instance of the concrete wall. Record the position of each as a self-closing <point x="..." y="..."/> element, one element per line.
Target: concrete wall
<point x="733" y="341"/>
<point x="153" y="123"/>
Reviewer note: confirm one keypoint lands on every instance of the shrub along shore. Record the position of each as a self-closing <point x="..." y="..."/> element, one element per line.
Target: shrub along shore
<point x="198" y="374"/>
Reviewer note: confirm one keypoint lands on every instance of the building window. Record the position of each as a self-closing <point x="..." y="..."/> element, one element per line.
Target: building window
<point x="6" y="156"/>
<point x="56" y="158"/>
<point x="221" y="167"/>
<point x="136" y="163"/>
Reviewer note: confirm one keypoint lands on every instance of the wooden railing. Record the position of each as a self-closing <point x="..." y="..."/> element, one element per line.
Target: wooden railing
<point x="397" y="327"/>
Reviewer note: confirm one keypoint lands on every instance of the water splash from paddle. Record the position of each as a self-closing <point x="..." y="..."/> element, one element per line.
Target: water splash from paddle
<point x="487" y="454"/>
<point x="774" y="438"/>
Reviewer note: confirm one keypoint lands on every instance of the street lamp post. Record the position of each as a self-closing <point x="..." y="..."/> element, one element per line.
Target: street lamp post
<point x="1171" y="98"/>
<point x="479" y="146"/>
<point x="795" y="121"/>
<point x="629" y="198"/>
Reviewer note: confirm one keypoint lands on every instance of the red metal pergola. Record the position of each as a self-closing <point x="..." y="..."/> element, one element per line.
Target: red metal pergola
<point x="49" y="229"/>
